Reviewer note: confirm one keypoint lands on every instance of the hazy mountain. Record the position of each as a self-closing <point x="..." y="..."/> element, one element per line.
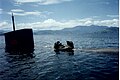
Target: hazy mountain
<point x="86" y="29"/>
<point x="76" y="30"/>
<point x="111" y="30"/>
<point x="81" y="30"/>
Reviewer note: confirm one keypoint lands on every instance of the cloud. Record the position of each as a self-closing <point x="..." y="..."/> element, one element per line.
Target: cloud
<point x="47" y="2"/>
<point x="109" y="23"/>
<point x="51" y="24"/>
<point x="1" y="10"/>
<point x="20" y="12"/>
<point x="36" y="13"/>
<point x="41" y="2"/>
<point x="113" y="16"/>
<point x="17" y="10"/>
<point x="4" y="25"/>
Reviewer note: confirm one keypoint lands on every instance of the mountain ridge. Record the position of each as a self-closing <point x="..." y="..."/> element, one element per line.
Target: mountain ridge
<point x="76" y="29"/>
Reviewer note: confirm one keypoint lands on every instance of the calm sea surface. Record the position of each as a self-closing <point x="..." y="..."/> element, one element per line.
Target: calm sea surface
<point x="45" y="64"/>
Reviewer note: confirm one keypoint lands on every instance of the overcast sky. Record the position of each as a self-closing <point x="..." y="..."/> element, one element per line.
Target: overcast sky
<point x="58" y="14"/>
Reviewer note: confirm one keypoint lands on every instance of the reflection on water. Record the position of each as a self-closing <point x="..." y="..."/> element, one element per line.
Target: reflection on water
<point x="19" y="57"/>
<point x="46" y="64"/>
<point x="71" y="52"/>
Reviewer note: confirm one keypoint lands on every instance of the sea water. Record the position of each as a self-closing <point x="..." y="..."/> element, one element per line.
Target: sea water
<point x="45" y="64"/>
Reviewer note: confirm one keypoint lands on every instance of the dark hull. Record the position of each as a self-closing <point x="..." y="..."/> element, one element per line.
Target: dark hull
<point x="19" y="41"/>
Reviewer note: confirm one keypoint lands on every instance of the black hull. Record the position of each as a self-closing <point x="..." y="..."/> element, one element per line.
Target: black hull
<point x="19" y="41"/>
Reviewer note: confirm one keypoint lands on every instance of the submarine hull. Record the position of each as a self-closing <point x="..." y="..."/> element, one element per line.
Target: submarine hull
<point x="19" y="41"/>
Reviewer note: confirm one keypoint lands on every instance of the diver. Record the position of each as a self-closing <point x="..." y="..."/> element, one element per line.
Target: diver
<point x="70" y="44"/>
<point x="58" y="45"/>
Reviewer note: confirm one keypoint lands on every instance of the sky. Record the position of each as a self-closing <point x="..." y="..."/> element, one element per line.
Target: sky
<point x="58" y="14"/>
